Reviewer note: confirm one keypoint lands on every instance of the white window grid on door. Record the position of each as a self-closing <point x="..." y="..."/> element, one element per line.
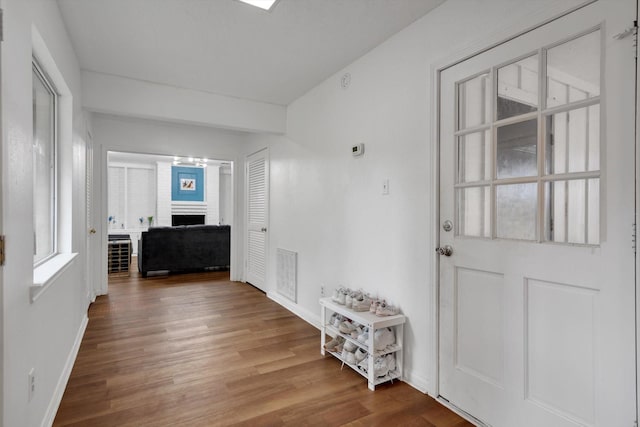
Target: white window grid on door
<point x="487" y="128"/>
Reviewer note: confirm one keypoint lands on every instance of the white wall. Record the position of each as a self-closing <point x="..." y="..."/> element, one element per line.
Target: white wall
<point x="328" y="206"/>
<point x="163" y="196"/>
<point x="226" y="195"/>
<point x="142" y="187"/>
<point x="42" y="335"/>
<point x="114" y="133"/>
<point x="110" y="94"/>
<point x="212" y="189"/>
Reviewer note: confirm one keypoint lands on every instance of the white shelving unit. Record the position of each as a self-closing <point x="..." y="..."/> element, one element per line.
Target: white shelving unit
<point x="373" y="322"/>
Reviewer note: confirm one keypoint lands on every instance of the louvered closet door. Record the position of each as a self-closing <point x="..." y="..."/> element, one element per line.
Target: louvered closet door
<point x="257" y="179"/>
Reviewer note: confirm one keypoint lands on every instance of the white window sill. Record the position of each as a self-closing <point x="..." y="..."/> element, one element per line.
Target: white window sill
<point x="45" y="274"/>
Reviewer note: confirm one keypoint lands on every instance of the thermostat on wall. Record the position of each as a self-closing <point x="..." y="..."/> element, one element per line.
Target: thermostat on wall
<point x="357" y="150"/>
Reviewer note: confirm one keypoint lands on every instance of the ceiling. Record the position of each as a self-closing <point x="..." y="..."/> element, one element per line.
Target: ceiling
<point x="229" y="48"/>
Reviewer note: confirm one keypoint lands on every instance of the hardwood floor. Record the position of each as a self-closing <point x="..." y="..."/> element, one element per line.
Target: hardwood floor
<point x="200" y="350"/>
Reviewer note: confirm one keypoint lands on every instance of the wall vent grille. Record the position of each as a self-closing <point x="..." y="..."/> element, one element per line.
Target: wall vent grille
<point x="287" y="273"/>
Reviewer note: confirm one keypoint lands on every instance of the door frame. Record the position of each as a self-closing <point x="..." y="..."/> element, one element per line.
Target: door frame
<point x="485" y="44"/>
<point x="2" y="168"/>
<point x="101" y="198"/>
<point x="637" y="195"/>
<point x="92" y="275"/>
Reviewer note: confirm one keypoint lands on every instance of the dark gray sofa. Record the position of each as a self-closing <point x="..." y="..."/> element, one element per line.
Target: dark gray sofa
<point x="184" y="248"/>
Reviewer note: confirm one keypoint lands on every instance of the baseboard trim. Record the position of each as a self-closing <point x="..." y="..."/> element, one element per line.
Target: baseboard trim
<point x="309" y="317"/>
<point x="419" y="383"/>
<point x="54" y="404"/>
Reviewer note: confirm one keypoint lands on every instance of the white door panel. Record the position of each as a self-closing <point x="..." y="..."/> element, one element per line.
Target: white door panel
<point x="536" y="173"/>
<point x="257" y="178"/>
<point x="93" y="248"/>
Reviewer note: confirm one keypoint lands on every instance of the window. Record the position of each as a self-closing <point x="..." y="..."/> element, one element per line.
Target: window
<point x="44" y="166"/>
<point x="528" y="147"/>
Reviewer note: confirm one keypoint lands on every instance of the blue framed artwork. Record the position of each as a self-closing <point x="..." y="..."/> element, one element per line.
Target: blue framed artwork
<point x="187" y="184"/>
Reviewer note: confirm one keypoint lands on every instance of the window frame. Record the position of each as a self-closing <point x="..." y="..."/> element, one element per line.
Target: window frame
<point x="39" y="72"/>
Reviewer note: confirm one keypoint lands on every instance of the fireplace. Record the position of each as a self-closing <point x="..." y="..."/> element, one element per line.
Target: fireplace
<point x="187" y="219"/>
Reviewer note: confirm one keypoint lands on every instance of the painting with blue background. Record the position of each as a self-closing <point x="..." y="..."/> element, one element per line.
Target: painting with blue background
<point x="187" y="184"/>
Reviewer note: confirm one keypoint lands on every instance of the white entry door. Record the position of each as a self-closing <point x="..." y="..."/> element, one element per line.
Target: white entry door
<point x="537" y="189"/>
<point x="257" y="179"/>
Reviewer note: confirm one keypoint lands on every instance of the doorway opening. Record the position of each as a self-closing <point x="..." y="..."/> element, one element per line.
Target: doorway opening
<point x="148" y="191"/>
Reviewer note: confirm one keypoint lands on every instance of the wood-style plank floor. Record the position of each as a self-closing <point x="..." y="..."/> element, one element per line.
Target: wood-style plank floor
<point x="200" y="350"/>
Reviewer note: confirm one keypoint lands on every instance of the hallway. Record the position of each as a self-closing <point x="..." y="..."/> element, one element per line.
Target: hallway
<point x="198" y="349"/>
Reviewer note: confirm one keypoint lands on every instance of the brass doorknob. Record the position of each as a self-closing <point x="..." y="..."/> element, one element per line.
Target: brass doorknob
<point x="92" y="231"/>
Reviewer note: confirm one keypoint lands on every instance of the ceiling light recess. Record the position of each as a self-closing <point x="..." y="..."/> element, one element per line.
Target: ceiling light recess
<point x="262" y="4"/>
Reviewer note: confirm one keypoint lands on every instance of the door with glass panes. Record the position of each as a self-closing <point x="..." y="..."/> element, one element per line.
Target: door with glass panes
<point x="537" y="300"/>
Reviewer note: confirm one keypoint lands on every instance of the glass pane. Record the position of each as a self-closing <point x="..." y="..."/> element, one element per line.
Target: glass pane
<point x="473" y="212"/>
<point x="517" y="154"/>
<point x="518" y="88"/>
<point x="573" y="213"/>
<point x="576" y="212"/>
<point x="43" y="169"/>
<point x="516" y="206"/>
<point x="473" y="102"/>
<point x="573" y="141"/>
<point x="593" y="211"/>
<point x="573" y="70"/>
<point x="474" y="157"/>
<point x="556" y="212"/>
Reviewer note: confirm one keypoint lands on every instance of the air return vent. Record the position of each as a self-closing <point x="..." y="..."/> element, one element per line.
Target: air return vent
<point x="287" y="273"/>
